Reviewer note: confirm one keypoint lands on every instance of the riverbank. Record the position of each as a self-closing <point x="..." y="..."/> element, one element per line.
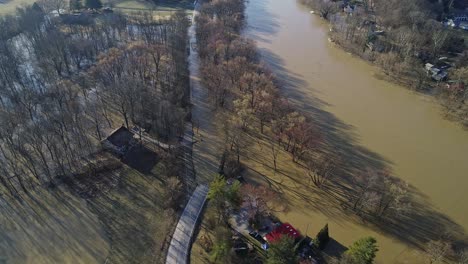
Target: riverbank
<point x="371" y="122"/>
<point x="453" y="109"/>
<point x="399" y="65"/>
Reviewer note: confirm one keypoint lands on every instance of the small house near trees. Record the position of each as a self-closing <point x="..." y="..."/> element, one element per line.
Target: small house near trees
<point x="119" y="141"/>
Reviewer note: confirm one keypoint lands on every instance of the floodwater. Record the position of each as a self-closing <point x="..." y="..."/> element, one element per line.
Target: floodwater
<point x="383" y="122"/>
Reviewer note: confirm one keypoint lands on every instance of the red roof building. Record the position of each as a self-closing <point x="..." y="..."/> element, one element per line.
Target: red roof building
<point x="284" y="229"/>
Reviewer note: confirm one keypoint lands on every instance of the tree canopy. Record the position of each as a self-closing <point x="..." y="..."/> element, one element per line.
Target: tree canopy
<point x="363" y="251"/>
<point x="283" y="251"/>
<point x="223" y="194"/>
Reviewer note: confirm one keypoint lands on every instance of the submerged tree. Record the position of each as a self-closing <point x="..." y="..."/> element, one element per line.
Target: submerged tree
<point x="321" y="168"/>
<point x="437" y="251"/>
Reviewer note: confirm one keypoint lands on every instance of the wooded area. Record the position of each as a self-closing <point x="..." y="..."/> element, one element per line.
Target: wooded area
<point x="65" y="81"/>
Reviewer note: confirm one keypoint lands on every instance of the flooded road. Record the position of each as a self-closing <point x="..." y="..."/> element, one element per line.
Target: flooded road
<point x="399" y="129"/>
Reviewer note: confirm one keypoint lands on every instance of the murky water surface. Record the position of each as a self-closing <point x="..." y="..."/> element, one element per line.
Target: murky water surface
<point x="399" y="128"/>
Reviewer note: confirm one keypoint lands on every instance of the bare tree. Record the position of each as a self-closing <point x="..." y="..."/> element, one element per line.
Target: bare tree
<point x="321" y="168"/>
<point x="364" y="183"/>
<point x="392" y="196"/>
<point x="326" y="7"/>
<point x="439" y="36"/>
<point x="53" y="5"/>
<point x="463" y="257"/>
<point x="259" y="201"/>
<point x="437" y="251"/>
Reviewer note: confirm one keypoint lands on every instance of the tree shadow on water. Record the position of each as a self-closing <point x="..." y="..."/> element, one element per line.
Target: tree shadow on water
<point x="416" y="227"/>
<point x="266" y="23"/>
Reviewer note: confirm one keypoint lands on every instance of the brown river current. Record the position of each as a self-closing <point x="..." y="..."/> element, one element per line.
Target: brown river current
<point x="393" y="126"/>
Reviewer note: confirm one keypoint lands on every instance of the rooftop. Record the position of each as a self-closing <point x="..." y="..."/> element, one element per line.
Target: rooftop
<point x="120" y="137"/>
<point x="284" y="229"/>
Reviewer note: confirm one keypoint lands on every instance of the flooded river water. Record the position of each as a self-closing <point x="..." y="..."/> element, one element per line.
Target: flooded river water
<point x="399" y="128"/>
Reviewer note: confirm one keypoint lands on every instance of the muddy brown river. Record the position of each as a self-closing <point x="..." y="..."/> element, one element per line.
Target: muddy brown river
<point x="401" y="129"/>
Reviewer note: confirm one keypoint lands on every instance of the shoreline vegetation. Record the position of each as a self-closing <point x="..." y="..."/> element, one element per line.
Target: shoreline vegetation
<point x="400" y="40"/>
<point x="274" y="145"/>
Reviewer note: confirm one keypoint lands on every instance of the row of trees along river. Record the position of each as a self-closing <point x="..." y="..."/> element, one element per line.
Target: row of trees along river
<point x="371" y="123"/>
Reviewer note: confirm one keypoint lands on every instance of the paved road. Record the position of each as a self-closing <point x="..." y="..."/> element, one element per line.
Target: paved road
<point x="187" y="145"/>
<point x="179" y="249"/>
<point x="201" y="157"/>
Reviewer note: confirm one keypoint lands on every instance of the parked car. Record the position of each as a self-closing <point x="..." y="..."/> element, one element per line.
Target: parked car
<point x="257" y="237"/>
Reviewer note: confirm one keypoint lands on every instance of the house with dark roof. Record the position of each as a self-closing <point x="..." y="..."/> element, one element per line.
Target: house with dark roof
<point x="119" y="141"/>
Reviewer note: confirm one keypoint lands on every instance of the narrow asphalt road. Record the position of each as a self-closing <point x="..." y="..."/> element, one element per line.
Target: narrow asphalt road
<point x="179" y="249"/>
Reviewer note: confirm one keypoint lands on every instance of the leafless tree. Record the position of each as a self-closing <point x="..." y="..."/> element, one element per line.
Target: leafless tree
<point x="53" y="5"/>
<point x="321" y="168"/>
<point x="463" y="257"/>
<point x="259" y="201"/>
<point x="437" y="251"/>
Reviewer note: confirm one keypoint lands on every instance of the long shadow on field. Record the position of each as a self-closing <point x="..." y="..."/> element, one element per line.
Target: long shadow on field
<point x="416" y="228"/>
<point x="49" y="226"/>
<point x="115" y="216"/>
